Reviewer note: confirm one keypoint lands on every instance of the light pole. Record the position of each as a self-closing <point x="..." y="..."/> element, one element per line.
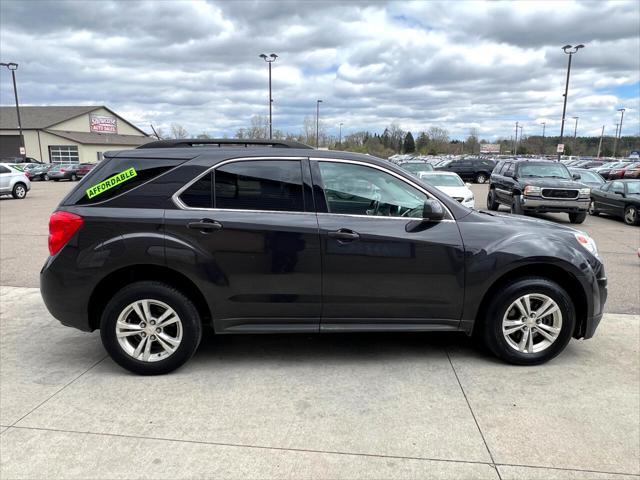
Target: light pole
<point x="515" y="144"/>
<point x="575" y="132"/>
<point x="569" y="50"/>
<point x="318" y="102"/>
<point x="13" y="67"/>
<point x="600" y="143"/>
<point x="270" y="59"/>
<point x="340" y="135"/>
<point x="615" y="140"/>
<point x="544" y="125"/>
<point x="621" y="110"/>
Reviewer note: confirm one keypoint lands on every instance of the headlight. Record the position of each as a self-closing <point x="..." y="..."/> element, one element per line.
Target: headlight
<point x="532" y="190"/>
<point x="585" y="191"/>
<point x="587" y="242"/>
<point x="469" y="199"/>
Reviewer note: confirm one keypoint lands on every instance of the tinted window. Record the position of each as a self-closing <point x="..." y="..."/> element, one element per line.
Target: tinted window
<point x="508" y="168"/>
<point x="545" y="170"/>
<point x="499" y="167"/>
<point x="360" y="190"/>
<point x="4" y="169"/>
<point x="260" y="185"/>
<point x="617" y="187"/>
<point x="200" y="193"/>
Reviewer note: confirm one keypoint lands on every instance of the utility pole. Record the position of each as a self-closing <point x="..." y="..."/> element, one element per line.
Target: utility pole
<point x="600" y="144"/>
<point x="318" y="102"/>
<point x="340" y="136"/>
<point x="575" y="131"/>
<point x="615" y="141"/>
<point x="515" y="145"/>
<point x="621" y="110"/>
<point x="569" y="50"/>
<point x="544" y="124"/>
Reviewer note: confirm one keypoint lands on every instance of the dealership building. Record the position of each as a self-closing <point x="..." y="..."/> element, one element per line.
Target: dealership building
<point x="67" y="134"/>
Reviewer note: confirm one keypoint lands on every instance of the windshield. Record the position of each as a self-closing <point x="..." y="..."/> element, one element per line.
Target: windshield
<point x="633" y="187"/>
<point x="587" y="176"/>
<point x="544" y="170"/>
<point x="443" y="180"/>
<point x="417" y="167"/>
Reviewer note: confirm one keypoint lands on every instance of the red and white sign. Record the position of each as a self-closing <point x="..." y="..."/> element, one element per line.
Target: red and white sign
<point x="560" y="148"/>
<point x="103" y="124"/>
<point x="489" y="148"/>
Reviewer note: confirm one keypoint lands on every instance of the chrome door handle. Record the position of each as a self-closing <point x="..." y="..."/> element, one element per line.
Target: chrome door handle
<point x="205" y="225"/>
<point x="344" y="235"/>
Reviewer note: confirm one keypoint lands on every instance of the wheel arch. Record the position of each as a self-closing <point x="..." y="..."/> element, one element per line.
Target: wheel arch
<point x="550" y="272"/>
<point x="117" y="279"/>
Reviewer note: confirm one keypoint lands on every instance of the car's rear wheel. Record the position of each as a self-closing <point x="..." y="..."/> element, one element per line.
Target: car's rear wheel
<point x="631" y="215"/>
<point x="516" y="206"/>
<point x="19" y="191"/>
<point x="578" y="217"/>
<point x="529" y="322"/>
<point x="74" y="177"/>
<point x="592" y="209"/>
<point x="150" y="328"/>
<point x="481" y="177"/>
<point x="492" y="204"/>
<point x="46" y="177"/>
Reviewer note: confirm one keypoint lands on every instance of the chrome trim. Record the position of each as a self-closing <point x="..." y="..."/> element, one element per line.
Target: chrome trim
<point x="502" y="190"/>
<point x="381" y="217"/>
<point x="399" y="177"/>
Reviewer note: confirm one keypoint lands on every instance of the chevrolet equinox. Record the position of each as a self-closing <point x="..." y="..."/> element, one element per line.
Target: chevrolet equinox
<point x="271" y="237"/>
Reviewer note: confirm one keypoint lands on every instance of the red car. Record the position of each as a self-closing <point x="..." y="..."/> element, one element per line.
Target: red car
<point x="632" y="171"/>
<point x="85" y="168"/>
<point x="617" y="173"/>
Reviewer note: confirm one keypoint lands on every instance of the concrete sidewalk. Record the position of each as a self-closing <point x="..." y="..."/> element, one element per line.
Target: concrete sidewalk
<point x="325" y="406"/>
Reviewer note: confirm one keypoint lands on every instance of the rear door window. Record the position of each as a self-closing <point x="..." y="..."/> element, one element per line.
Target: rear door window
<point x="200" y="193"/>
<point x="268" y="185"/>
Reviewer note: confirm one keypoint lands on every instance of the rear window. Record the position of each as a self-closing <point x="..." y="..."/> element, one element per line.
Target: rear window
<point x="114" y="176"/>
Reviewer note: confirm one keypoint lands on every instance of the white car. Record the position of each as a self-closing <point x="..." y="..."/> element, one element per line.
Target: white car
<point x="13" y="181"/>
<point x="451" y="184"/>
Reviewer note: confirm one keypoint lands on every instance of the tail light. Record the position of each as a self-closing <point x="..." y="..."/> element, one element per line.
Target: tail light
<point x="62" y="170"/>
<point x="62" y="226"/>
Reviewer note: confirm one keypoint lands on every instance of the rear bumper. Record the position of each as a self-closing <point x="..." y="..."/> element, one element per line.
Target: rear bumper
<point x="543" y="205"/>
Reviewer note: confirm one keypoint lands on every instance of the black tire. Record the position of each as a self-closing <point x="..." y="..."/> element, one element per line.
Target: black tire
<point x="492" y="204"/>
<point x="631" y="215"/>
<point x="592" y="209"/>
<point x="492" y="326"/>
<point x="19" y="191"/>
<point x="516" y="206"/>
<point x="56" y="179"/>
<point x="74" y="177"/>
<point x="46" y="177"/>
<point x="184" y="308"/>
<point x="577" y="217"/>
<point x="481" y="177"/>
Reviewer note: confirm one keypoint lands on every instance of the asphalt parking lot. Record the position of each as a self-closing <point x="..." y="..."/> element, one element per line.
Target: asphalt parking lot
<point x="323" y="406"/>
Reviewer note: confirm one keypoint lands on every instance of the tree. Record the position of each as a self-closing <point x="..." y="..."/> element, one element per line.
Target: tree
<point x="203" y="136"/>
<point x="422" y="143"/>
<point x="259" y="128"/>
<point x="178" y="131"/>
<point x="438" y="140"/>
<point x="409" y="145"/>
<point x="472" y="140"/>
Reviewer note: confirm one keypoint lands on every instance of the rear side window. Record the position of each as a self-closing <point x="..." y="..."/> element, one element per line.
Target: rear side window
<point x="274" y="185"/>
<point x="508" y="168"/>
<point x="117" y="175"/>
<point x="200" y="193"/>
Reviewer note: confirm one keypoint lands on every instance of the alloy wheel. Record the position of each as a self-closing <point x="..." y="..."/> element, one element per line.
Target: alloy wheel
<point x="20" y="191"/>
<point x="149" y="330"/>
<point x="532" y="323"/>
<point x="630" y="215"/>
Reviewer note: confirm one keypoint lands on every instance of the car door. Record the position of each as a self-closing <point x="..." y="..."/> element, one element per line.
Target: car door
<point x="254" y="232"/>
<point x="504" y="183"/>
<point x="383" y="266"/>
<point x="5" y="179"/>
<point x="615" y="199"/>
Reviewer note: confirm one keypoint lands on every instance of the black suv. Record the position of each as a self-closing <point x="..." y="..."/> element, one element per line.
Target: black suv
<point x="469" y="169"/>
<point x="157" y="242"/>
<point x="540" y="186"/>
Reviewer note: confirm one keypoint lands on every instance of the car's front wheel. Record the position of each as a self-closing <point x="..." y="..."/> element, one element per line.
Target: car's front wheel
<point x="577" y="217"/>
<point x="529" y="322"/>
<point x="631" y="215"/>
<point x="150" y="328"/>
<point x="592" y="209"/>
<point x="492" y="204"/>
<point x="516" y="206"/>
<point x="74" y="177"/>
<point x="481" y="177"/>
<point x="19" y="191"/>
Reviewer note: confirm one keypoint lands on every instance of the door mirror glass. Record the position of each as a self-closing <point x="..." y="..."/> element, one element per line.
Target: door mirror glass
<point x="576" y="176"/>
<point x="432" y="210"/>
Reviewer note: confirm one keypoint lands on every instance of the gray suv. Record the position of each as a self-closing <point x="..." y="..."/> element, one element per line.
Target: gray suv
<point x="539" y="186"/>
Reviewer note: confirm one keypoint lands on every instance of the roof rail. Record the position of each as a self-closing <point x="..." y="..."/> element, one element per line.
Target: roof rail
<point x="223" y="142"/>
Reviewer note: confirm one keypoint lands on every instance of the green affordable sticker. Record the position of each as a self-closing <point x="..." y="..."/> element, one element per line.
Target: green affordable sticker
<point x="111" y="182"/>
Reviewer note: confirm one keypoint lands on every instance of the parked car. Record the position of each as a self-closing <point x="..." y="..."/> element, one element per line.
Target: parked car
<point x="451" y="184"/>
<point x="37" y="171"/>
<point x="63" y="171"/>
<point x="13" y="182"/>
<point x="620" y="198"/>
<point x="538" y="186"/>
<point x="85" y="168"/>
<point x="416" y="167"/>
<point x="619" y="172"/>
<point x="632" y="171"/>
<point x="15" y="160"/>
<point x="469" y="169"/>
<point x="605" y="169"/>
<point x="587" y="177"/>
<point x="156" y="242"/>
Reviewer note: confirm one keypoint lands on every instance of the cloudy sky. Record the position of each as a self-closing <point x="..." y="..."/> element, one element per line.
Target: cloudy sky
<point x="453" y="64"/>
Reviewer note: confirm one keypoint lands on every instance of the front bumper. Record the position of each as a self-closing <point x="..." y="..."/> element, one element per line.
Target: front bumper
<point x="544" y="205"/>
<point x="598" y="299"/>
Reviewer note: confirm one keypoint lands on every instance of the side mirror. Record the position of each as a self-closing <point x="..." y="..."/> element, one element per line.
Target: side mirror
<point x="619" y="192"/>
<point x="576" y="176"/>
<point x="432" y="210"/>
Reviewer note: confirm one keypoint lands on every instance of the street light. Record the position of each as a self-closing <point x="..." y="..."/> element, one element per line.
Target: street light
<point x="544" y="125"/>
<point x="13" y="67"/>
<point x="515" y="145"/>
<point x="318" y="102"/>
<point x="575" y="131"/>
<point x="615" y="140"/>
<point x="340" y="136"/>
<point x="569" y="50"/>
<point x="618" y="132"/>
<point x="270" y="59"/>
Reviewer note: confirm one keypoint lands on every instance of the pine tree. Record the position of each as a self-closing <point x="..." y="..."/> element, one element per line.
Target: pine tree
<point x="409" y="145"/>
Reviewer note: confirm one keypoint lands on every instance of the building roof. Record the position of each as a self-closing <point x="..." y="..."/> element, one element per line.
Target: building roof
<point x="94" y="138"/>
<point x="38" y="118"/>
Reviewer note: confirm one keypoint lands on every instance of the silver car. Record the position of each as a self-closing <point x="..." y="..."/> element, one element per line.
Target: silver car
<point x="13" y="181"/>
